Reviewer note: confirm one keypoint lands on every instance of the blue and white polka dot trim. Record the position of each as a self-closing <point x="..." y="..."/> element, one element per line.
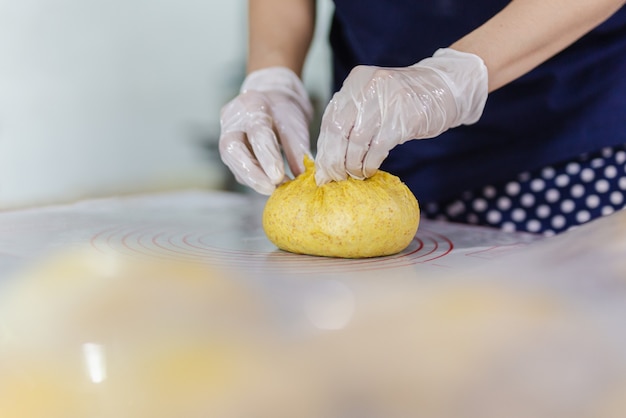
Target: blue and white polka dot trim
<point x="548" y="201"/>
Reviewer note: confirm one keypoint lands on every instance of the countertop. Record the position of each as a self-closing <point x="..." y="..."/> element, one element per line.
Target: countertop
<point x="467" y="321"/>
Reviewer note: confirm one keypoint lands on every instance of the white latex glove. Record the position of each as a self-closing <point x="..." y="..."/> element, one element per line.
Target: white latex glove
<point x="379" y="108"/>
<point x="272" y="112"/>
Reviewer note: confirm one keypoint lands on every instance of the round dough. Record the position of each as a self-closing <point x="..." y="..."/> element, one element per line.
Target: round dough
<point x="350" y="219"/>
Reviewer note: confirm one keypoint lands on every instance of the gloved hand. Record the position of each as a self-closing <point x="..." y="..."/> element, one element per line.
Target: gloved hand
<point x="272" y="112"/>
<point x="379" y="108"/>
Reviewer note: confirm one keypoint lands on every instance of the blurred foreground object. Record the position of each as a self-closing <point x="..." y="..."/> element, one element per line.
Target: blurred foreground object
<point x="538" y="333"/>
<point x="95" y="335"/>
<point x="459" y="350"/>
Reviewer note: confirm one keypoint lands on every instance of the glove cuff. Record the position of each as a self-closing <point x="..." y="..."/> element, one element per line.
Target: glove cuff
<point x="282" y="80"/>
<point x="467" y="79"/>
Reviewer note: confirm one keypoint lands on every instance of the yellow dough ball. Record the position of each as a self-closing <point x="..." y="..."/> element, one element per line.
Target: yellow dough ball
<point x="350" y="219"/>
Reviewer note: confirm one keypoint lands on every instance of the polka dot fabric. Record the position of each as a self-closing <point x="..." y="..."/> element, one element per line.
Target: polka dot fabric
<point x="548" y="201"/>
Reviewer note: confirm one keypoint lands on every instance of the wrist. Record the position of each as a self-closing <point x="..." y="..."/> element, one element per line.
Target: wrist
<point x="280" y="80"/>
<point x="465" y="78"/>
<point x="272" y="79"/>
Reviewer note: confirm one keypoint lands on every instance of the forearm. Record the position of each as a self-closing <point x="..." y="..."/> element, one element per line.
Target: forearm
<point x="528" y="32"/>
<point x="280" y="33"/>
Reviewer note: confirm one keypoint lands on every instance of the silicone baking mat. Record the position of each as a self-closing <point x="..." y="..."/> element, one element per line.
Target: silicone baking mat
<point x="225" y="229"/>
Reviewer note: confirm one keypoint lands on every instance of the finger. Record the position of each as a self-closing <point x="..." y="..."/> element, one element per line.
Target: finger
<point x="378" y="151"/>
<point x="366" y="126"/>
<point x="264" y="144"/>
<point x="355" y="154"/>
<point x="237" y="157"/>
<point x="293" y="132"/>
<point x="391" y="132"/>
<point x="249" y="114"/>
<point x="337" y="122"/>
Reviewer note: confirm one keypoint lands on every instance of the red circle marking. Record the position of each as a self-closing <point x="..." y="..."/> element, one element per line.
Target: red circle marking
<point x="193" y="247"/>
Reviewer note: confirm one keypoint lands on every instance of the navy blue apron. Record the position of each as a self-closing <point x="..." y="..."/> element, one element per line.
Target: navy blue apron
<point x="574" y="103"/>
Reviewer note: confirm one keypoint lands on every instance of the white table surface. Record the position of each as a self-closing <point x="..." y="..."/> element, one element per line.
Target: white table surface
<point x="576" y="281"/>
<point x="225" y="228"/>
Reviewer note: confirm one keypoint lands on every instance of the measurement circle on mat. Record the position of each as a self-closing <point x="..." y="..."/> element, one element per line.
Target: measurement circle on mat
<point x="225" y="248"/>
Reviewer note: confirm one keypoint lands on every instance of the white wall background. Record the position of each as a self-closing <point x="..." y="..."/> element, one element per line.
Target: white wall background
<point x="107" y="97"/>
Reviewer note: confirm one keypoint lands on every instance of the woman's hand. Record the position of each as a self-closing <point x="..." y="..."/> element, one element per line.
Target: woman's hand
<point x="271" y="115"/>
<point x="379" y="108"/>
